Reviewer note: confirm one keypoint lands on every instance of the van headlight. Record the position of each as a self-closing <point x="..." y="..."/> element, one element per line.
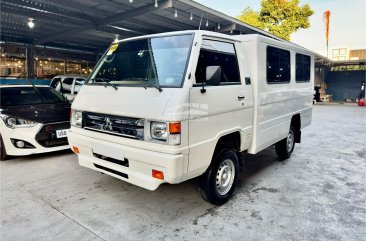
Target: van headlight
<point x="76" y="118"/>
<point x="13" y="122"/>
<point x="159" y="130"/>
<point x="165" y="132"/>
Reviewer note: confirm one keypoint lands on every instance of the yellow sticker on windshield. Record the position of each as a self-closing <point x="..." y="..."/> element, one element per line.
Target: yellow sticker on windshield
<point x="112" y="49"/>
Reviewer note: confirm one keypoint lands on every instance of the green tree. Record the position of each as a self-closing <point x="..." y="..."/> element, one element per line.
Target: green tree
<point x="279" y="17"/>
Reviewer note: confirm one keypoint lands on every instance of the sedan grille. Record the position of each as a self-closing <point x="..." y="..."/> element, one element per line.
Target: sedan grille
<point x="47" y="137"/>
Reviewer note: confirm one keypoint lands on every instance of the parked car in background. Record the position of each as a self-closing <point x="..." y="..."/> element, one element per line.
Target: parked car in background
<point x="33" y="119"/>
<point x="68" y="85"/>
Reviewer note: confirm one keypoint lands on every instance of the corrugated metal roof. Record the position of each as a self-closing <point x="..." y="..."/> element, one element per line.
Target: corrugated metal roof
<point x="94" y="23"/>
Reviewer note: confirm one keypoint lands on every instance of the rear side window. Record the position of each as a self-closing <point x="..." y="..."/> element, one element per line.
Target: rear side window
<point x="67" y="85"/>
<point x="79" y="81"/>
<point x="278" y="65"/>
<point x="302" y="68"/>
<point x="217" y="53"/>
<point x="54" y="82"/>
<point x="78" y="84"/>
<point x="68" y="81"/>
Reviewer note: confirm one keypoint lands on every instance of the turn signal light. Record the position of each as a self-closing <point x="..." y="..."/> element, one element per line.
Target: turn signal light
<point x="158" y="174"/>
<point x="174" y="128"/>
<point x="75" y="149"/>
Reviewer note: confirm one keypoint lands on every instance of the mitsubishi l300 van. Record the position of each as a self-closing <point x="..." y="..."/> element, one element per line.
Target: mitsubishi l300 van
<point x="169" y="107"/>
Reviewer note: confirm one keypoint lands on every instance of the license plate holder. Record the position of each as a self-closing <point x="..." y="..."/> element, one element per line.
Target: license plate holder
<point x="108" y="151"/>
<point x="62" y="133"/>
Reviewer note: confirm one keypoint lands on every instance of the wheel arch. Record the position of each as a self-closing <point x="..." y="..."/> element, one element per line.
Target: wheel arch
<point x="227" y="141"/>
<point x="296" y="123"/>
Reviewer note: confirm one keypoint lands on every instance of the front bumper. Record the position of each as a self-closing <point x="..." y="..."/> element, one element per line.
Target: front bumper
<point x="140" y="161"/>
<point x="29" y="135"/>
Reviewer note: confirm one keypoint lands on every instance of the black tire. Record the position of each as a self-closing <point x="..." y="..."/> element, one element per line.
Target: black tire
<point x="285" y="147"/>
<point x="3" y="155"/>
<point x="213" y="188"/>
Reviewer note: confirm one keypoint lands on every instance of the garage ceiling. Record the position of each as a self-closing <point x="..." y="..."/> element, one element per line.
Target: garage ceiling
<point x="92" y="24"/>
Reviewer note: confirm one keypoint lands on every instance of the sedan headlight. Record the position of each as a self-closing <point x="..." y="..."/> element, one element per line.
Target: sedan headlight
<point x="13" y="122"/>
<point x="166" y="132"/>
<point x="76" y="118"/>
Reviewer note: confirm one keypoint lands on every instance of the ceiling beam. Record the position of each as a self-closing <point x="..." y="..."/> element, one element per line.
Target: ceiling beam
<point x="147" y="27"/>
<point x="72" y="5"/>
<point x="108" y="20"/>
<point x="136" y="12"/>
<point x="227" y="28"/>
<point x="26" y="13"/>
<point x="58" y="22"/>
<point x="199" y="7"/>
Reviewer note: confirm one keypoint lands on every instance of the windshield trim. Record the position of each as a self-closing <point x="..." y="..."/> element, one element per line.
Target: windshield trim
<point x="142" y="85"/>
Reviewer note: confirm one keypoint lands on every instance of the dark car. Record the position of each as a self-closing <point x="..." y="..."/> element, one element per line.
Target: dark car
<point x="34" y="119"/>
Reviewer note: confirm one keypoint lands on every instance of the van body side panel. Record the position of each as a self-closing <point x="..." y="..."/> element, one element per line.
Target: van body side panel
<point x="276" y="104"/>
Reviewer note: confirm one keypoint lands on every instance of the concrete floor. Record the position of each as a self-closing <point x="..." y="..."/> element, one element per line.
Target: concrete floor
<point x="318" y="194"/>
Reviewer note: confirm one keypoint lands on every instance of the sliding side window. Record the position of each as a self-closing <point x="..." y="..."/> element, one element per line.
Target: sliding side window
<point x="278" y="65"/>
<point x="302" y="68"/>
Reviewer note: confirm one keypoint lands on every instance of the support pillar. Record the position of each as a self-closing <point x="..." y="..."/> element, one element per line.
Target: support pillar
<point x="30" y="62"/>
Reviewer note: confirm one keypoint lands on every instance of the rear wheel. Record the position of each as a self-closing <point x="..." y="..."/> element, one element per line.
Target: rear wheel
<point x="285" y="147"/>
<point x="3" y="155"/>
<point x="218" y="183"/>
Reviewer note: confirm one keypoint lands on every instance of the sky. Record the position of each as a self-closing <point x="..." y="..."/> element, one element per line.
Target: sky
<point x="347" y="22"/>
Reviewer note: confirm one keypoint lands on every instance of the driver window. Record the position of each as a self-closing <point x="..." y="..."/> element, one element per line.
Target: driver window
<point x="217" y="53"/>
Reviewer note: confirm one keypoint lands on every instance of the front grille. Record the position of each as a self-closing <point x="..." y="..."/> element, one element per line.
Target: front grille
<point x="46" y="137"/>
<point x="114" y="125"/>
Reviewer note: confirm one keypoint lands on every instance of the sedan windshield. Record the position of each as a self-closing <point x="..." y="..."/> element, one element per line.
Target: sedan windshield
<point x="13" y="96"/>
<point x="145" y="62"/>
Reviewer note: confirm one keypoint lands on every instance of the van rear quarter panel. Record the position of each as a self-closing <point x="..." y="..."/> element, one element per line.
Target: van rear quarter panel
<point x="275" y="104"/>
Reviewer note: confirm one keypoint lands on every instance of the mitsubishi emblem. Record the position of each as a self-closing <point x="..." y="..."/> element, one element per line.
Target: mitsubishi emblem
<point x="107" y="124"/>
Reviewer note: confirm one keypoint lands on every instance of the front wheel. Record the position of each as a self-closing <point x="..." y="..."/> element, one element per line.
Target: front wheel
<point x="219" y="181"/>
<point x="285" y="147"/>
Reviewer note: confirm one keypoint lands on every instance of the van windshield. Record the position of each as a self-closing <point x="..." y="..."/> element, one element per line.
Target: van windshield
<point x="157" y="61"/>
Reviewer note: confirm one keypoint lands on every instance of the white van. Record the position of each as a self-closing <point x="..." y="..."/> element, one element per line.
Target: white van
<point x="68" y="85"/>
<point x="169" y="107"/>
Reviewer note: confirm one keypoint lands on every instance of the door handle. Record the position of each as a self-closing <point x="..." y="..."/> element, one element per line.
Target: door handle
<point x="241" y="97"/>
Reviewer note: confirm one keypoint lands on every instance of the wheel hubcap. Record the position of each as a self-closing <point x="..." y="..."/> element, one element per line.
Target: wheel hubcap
<point x="290" y="140"/>
<point x="225" y="177"/>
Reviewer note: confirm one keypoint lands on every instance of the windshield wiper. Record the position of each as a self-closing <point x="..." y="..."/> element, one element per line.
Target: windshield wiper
<point x="107" y="82"/>
<point x="155" y="86"/>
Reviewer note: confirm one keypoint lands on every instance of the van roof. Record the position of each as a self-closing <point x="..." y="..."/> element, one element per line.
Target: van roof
<point x="219" y="35"/>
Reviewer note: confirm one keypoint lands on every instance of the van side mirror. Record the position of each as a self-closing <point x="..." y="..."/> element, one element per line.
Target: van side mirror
<point x="213" y="75"/>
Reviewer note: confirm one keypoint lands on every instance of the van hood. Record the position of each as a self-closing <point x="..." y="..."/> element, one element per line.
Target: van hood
<point x="138" y="102"/>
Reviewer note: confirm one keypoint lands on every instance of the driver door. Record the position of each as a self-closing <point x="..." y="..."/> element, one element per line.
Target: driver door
<point x="220" y="109"/>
